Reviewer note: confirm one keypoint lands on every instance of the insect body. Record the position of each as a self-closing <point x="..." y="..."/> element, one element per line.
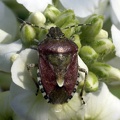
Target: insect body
<point x="58" y="68"/>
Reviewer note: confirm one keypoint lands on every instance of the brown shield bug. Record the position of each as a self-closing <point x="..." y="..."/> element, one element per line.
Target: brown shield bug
<point x="58" y="70"/>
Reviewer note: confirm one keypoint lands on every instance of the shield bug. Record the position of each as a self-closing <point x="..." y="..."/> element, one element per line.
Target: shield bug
<point x="58" y="70"/>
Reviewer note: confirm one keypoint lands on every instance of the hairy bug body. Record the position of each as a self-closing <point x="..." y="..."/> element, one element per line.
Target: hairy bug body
<point x="58" y="66"/>
<point x="58" y="69"/>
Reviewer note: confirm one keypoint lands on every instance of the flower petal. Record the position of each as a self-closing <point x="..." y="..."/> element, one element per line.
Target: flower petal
<point x="81" y="64"/>
<point x="114" y="17"/>
<point x="66" y="111"/>
<point x="115" y="62"/>
<point x="80" y="7"/>
<point x="8" y="22"/>
<point x="116" y="39"/>
<point x="20" y="74"/>
<point x="102" y="105"/>
<point x="116" y="8"/>
<point x="6" y="51"/>
<point x="35" y="5"/>
<point x="27" y="105"/>
<point x="24" y="89"/>
<point x="4" y="37"/>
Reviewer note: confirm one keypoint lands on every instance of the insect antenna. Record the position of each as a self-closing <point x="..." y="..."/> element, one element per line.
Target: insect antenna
<point x="26" y="22"/>
<point x="84" y="24"/>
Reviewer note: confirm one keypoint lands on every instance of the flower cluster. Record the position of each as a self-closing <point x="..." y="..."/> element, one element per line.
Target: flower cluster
<point x="94" y="47"/>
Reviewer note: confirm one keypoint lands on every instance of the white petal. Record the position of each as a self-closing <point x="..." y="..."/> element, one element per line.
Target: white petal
<point x="35" y="5"/>
<point x="115" y="62"/>
<point x="6" y="51"/>
<point x="65" y="111"/>
<point x="80" y="7"/>
<point x="102" y="7"/>
<point x="116" y="39"/>
<point x="82" y="65"/>
<point x="4" y="37"/>
<point x="114" y="18"/>
<point x="116" y="8"/>
<point x="23" y="93"/>
<point x="8" y="21"/>
<point x="102" y="105"/>
<point x="29" y="106"/>
<point x="20" y="74"/>
<point x="26" y="104"/>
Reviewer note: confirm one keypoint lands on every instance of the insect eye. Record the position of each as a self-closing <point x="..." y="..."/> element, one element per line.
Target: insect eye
<point x="61" y="60"/>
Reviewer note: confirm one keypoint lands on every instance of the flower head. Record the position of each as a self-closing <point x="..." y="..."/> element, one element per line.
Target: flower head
<point x="93" y="47"/>
<point x="24" y="98"/>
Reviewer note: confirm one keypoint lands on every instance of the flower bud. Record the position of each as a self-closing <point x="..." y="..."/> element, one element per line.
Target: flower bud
<point x="68" y="32"/>
<point x="65" y="18"/>
<point x="51" y="13"/>
<point x="41" y="33"/>
<point x="105" y="71"/>
<point x="14" y="57"/>
<point x="103" y="46"/>
<point x="88" y="54"/>
<point x="92" y="82"/>
<point x="102" y="35"/>
<point x="28" y="35"/>
<point x="49" y="25"/>
<point x="76" y="39"/>
<point x="37" y="18"/>
<point x="90" y="31"/>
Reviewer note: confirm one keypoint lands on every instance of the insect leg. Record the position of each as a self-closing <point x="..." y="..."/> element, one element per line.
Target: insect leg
<point x="29" y="67"/>
<point x="83" y="87"/>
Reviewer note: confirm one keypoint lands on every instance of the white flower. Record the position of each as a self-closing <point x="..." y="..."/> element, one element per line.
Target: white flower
<point x="115" y="30"/>
<point x="7" y="35"/>
<point x="34" y="6"/>
<point x="8" y="24"/>
<point x="24" y="100"/>
<point x="116" y="39"/>
<point x="85" y="8"/>
<point x="6" y="53"/>
<point x="115" y="8"/>
<point x="100" y="105"/>
<point x="6" y="113"/>
<point x="80" y="7"/>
